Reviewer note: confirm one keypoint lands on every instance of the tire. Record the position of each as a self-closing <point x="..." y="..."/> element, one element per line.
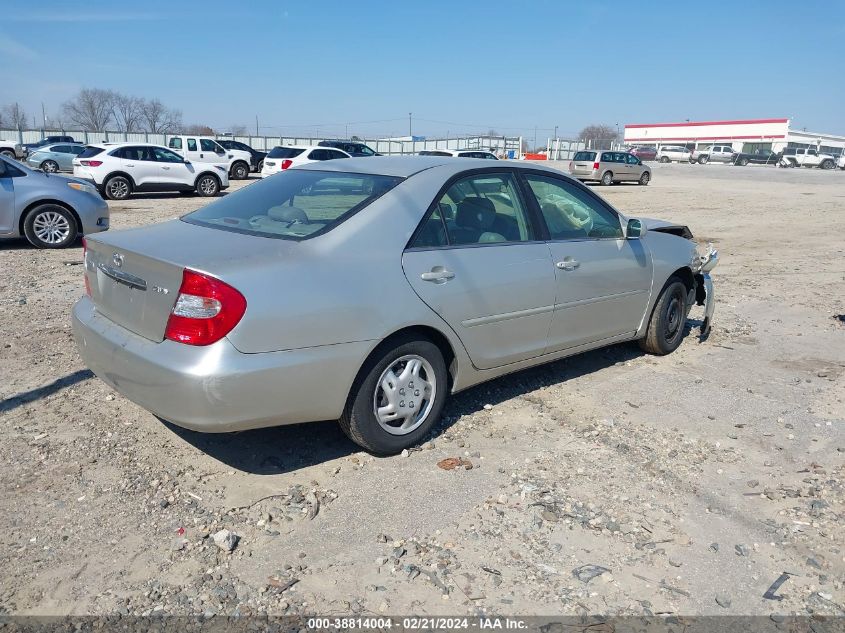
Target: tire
<point x="208" y="186"/>
<point x="117" y="188"/>
<point x="260" y="167"/>
<point x="665" y="330"/>
<point x="828" y="164"/>
<point x="664" y="159"/>
<point x="742" y="162"/>
<point x="240" y="171"/>
<point x="50" y="226"/>
<point x="607" y="178"/>
<point x="359" y="419"/>
<point x="8" y="153"/>
<point x="702" y="160"/>
<point x="645" y="178"/>
<point x="49" y="166"/>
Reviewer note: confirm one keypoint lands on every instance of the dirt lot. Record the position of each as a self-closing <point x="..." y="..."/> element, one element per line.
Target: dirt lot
<point x="685" y="484"/>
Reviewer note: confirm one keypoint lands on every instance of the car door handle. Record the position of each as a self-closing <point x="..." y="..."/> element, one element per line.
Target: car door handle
<point x="164" y="167"/>
<point x="130" y="164"/>
<point x="438" y="275"/>
<point x="568" y="264"/>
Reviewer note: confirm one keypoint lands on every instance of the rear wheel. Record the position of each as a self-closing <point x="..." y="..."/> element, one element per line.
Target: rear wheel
<point x="828" y="164"/>
<point x="644" y="179"/>
<point x="607" y="178"/>
<point x="50" y="226"/>
<point x="240" y="171"/>
<point x="50" y="166"/>
<point x="208" y="186"/>
<point x="397" y="397"/>
<point x="8" y="153"/>
<point x="665" y="329"/>
<point x="117" y="188"/>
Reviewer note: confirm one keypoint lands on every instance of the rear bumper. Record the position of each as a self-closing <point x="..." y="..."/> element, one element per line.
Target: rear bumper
<point x="217" y="388"/>
<point x="592" y="174"/>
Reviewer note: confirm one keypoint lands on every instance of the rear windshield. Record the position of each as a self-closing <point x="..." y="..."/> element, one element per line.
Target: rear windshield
<point x="432" y="152"/>
<point x="88" y="152"/>
<point x="294" y="204"/>
<point x="585" y="156"/>
<point x="285" y="152"/>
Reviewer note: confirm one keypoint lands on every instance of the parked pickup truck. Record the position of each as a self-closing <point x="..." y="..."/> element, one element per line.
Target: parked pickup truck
<point x="757" y="157"/>
<point x="10" y="149"/>
<point x="716" y="154"/>
<point x="806" y="157"/>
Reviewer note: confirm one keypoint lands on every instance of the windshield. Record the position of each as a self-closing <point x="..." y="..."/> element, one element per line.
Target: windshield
<point x="294" y="204"/>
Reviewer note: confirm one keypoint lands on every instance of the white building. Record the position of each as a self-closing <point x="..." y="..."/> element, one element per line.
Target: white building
<point x="744" y="136"/>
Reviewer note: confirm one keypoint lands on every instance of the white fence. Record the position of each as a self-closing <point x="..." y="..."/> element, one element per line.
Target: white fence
<point x="497" y="144"/>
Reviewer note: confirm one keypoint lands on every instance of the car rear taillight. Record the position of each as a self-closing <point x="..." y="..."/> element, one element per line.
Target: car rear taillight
<point x="595" y="165"/>
<point x="85" y="267"/>
<point x="286" y="163"/>
<point x="206" y="310"/>
<point x="91" y="163"/>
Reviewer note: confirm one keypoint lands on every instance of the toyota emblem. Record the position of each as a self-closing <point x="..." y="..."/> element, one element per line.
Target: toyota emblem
<point x="117" y="259"/>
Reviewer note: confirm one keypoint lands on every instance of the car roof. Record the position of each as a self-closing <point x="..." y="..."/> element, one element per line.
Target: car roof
<point x="406" y="166"/>
<point x="114" y="145"/>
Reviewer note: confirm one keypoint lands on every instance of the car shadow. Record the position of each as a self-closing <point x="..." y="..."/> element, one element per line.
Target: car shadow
<point x="284" y="449"/>
<point x="22" y="244"/>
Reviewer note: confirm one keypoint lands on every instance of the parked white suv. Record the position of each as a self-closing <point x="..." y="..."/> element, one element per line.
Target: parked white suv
<point x="668" y="153"/>
<point x="716" y="154"/>
<point x="806" y="157"/>
<point x="204" y="149"/>
<point x="281" y="158"/>
<point x="120" y="169"/>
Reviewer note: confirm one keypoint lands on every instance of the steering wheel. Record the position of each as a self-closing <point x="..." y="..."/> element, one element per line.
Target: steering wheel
<point x="580" y="218"/>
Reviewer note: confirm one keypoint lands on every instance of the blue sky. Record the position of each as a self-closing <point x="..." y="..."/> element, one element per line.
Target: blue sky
<point x="460" y="67"/>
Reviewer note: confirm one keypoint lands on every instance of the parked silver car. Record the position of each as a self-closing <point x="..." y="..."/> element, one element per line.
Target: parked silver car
<point x="368" y="289"/>
<point x="51" y="211"/>
<point x="53" y="158"/>
<point x="609" y="167"/>
<point x="668" y="153"/>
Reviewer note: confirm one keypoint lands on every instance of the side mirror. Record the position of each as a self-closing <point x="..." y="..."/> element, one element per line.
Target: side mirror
<point x="635" y="229"/>
<point x="186" y="161"/>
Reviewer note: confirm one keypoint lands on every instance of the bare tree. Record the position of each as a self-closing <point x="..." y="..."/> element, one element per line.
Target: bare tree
<point x="199" y="129"/>
<point x="91" y="109"/>
<point x="238" y="130"/>
<point x="127" y="112"/>
<point x="159" y="119"/>
<point x="599" y="136"/>
<point x="15" y="116"/>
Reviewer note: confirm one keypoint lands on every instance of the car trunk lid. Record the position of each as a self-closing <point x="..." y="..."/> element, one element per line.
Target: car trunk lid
<point x="134" y="275"/>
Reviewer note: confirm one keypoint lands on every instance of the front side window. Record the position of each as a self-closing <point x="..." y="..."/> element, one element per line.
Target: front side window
<point x="295" y="204"/>
<point x="366" y="151"/>
<point x="59" y="149"/>
<point x="166" y="156"/>
<point x="571" y="213"/>
<point x="207" y="145"/>
<point x="175" y="143"/>
<point x="632" y="160"/>
<point x="192" y="144"/>
<point x="484" y="208"/>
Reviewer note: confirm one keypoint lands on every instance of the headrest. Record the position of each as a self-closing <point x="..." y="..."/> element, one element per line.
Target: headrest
<point x="475" y="213"/>
<point x="287" y="214"/>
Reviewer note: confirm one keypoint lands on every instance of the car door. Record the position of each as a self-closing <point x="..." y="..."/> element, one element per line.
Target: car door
<point x="622" y="166"/>
<point x="635" y="167"/>
<point x="173" y="170"/>
<point x="7" y="196"/>
<point x="138" y="162"/>
<point x="63" y="155"/>
<point x="603" y="281"/>
<point x="478" y="261"/>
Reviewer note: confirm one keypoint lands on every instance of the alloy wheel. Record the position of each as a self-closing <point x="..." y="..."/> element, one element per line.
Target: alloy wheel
<point x="51" y="227"/>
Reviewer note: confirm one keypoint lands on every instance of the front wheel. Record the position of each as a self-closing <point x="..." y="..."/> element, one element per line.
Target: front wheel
<point x="645" y="178"/>
<point x="50" y="226"/>
<point x="665" y="329"/>
<point x="208" y="186"/>
<point x="702" y="160"/>
<point x="7" y="153"/>
<point x="397" y="397"/>
<point x="742" y="162"/>
<point x="240" y="171"/>
<point x="607" y="178"/>
<point x="664" y="159"/>
<point x="828" y="164"/>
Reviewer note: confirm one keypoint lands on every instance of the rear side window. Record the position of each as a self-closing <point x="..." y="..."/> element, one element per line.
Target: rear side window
<point x="431" y="152"/>
<point x="192" y="144"/>
<point x="588" y="156"/>
<point x="607" y="157"/>
<point x="285" y="152"/>
<point x="88" y="152"/>
<point x="175" y="143"/>
<point x="295" y="204"/>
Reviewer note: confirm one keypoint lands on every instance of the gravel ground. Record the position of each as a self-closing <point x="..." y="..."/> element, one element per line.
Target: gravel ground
<point x="612" y="482"/>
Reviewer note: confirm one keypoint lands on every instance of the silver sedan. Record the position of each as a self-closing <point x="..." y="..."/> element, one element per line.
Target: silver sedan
<point x="368" y="290"/>
<point x="51" y="211"/>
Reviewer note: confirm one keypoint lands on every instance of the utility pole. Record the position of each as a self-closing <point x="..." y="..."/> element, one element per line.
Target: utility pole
<point x="535" y="139"/>
<point x="555" y="132"/>
<point x="256" y="125"/>
<point x="410" y="133"/>
<point x="43" y="114"/>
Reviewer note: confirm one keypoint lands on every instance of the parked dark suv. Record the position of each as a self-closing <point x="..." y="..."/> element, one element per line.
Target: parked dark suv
<point x="353" y="148"/>
<point x="29" y="148"/>
<point x="256" y="161"/>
